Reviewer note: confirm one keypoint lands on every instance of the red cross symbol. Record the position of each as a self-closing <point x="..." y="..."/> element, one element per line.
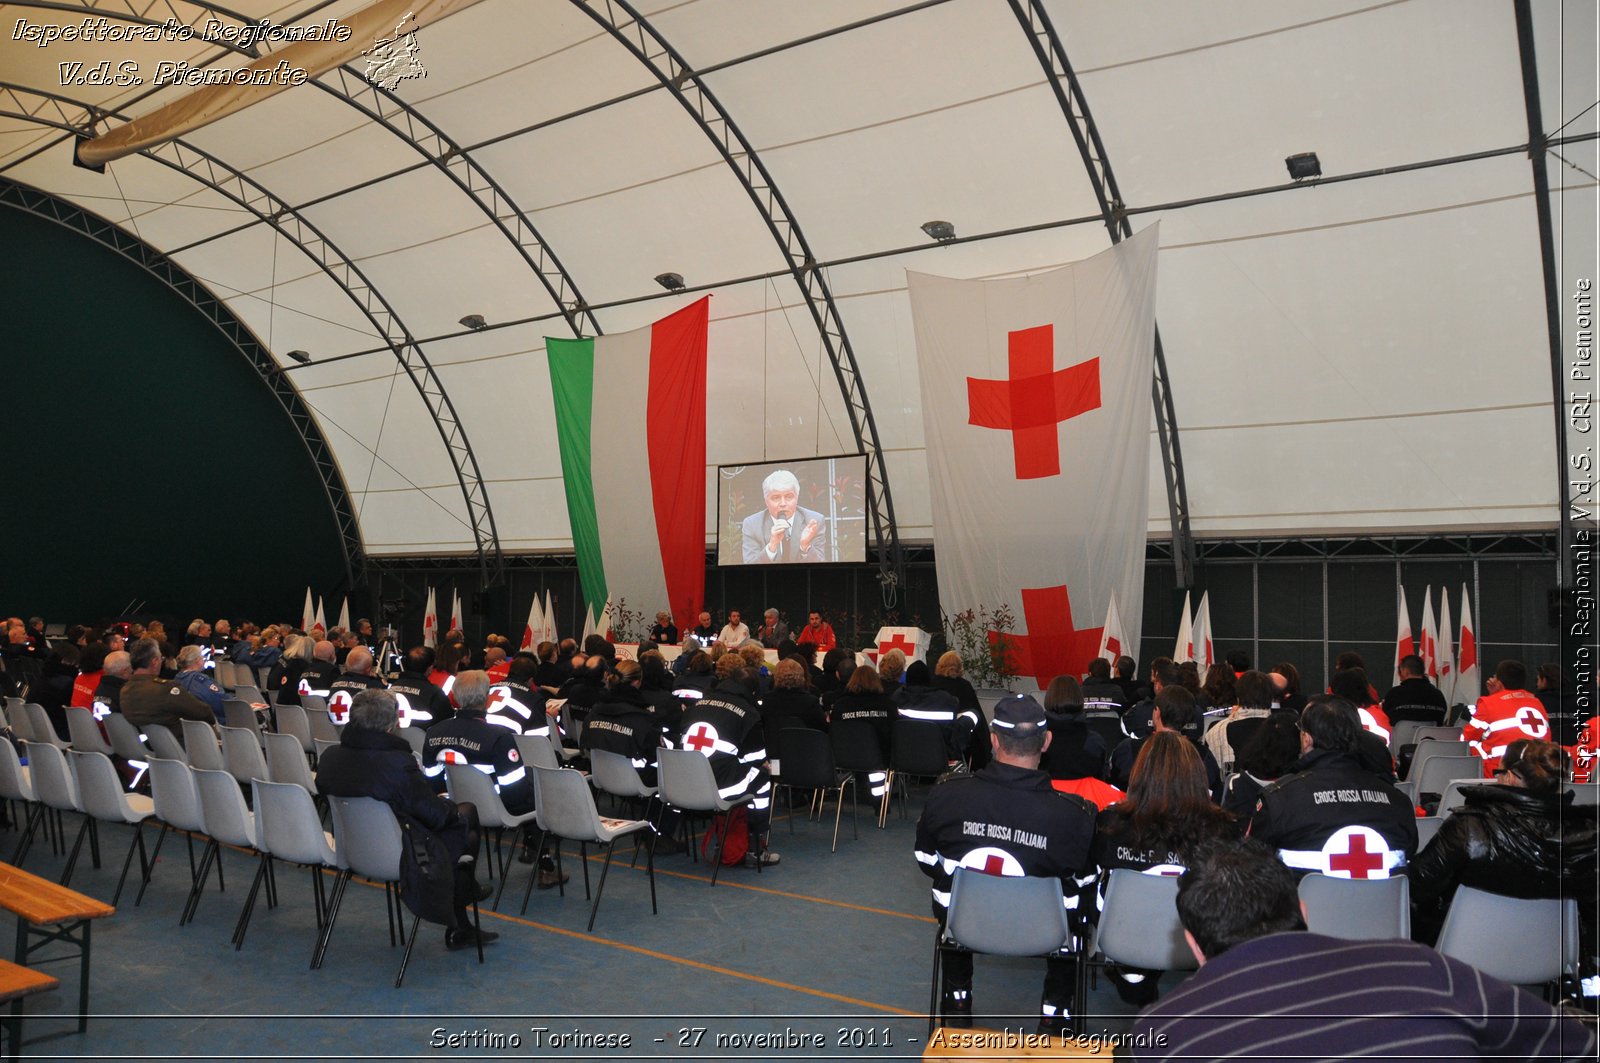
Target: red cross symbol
<point x="1052" y="645"/>
<point x="1532" y="721"/>
<point x="1114" y="646"/>
<point x="994" y="866"/>
<point x="1036" y="399"/>
<point x="899" y="642"/>
<point x="497" y="696"/>
<point x="1468" y="655"/>
<point x="339" y="706"/>
<point x="701" y="737"/>
<point x="1356" y="860"/>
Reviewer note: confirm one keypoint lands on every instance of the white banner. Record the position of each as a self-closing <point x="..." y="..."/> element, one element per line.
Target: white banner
<point x="1036" y="413"/>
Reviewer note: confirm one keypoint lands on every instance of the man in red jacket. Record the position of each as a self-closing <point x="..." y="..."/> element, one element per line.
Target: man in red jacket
<point x="1503" y="715"/>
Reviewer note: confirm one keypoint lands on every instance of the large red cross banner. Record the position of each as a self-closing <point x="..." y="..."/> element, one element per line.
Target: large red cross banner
<point x="1036" y="414"/>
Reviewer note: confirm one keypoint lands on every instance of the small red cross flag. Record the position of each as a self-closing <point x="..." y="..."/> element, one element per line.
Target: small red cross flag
<point x="1447" y="653"/>
<point x="1036" y="419"/>
<point x="1113" y="641"/>
<point x="1404" y="645"/>
<point x="1184" y="649"/>
<point x="1430" y="635"/>
<point x="1469" y="679"/>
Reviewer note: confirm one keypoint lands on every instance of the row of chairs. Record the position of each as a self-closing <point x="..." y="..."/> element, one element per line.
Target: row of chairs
<point x="1138" y="926"/>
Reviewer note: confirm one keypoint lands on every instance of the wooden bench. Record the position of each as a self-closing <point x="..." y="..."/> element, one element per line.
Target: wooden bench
<point x="47" y="912"/>
<point x="17" y="982"/>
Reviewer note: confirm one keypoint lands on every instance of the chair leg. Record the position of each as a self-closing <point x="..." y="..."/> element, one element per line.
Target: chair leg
<point x="72" y="861"/>
<point x="477" y="929"/>
<point x="94" y="840"/>
<point x="719" y="836"/>
<point x="604" y="871"/>
<point x="35" y="814"/>
<point x="249" y="904"/>
<point x="650" y="868"/>
<point x="533" y="874"/>
<point x="198" y="886"/>
<point x="933" y="990"/>
<point x="144" y="863"/>
<point x="406" y="958"/>
<point x="583" y="858"/>
<point x="156" y="855"/>
<point x="325" y="933"/>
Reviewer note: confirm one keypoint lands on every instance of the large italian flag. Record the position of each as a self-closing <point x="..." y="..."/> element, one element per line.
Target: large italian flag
<point x="631" y="421"/>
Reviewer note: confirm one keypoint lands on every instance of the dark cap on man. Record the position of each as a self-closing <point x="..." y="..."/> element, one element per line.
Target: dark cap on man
<point x="1019" y="714"/>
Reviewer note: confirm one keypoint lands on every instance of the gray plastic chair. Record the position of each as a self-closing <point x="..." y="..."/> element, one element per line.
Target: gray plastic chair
<point x="241" y="753"/>
<point x="292" y="720"/>
<point x="1436" y="733"/>
<point x="57" y="789"/>
<point x="1452" y="797"/>
<point x="1402" y="733"/>
<point x="567" y="811"/>
<point x="18" y="718"/>
<point x="689" y="785"/>
<point x="164" y="744"/>
<point x="125" y="740"/>
<point x="1000" y="916"/>
<point x="85" y="732"/>
<point x="1436" y="772"/>
<point x="1138" y="927"/>
<point x="16" y="784"/>
<point x="236" y="713"/>
<point x="40" y="727"/>
<point x="614" y="774"/>
<point x="369" y="844"/>
<point x="286" y="762"/>
<point x="176" y="800"/>
<point x="200" y="741"/>
<point x="1426" y="751"/>
<point x="104" y="799"/>
<point x="416" y="737"/>
<point x="290" y="829"/>
<point x="249" y="693"/>
<point x="322" y="728"/>
<point x="223" y="675"/>
<point x="322" y="745"/>
<point x="467" y="783"/>
<point x="1357" y="909"/>
<point x="1584" y="794"/>
<point x="1533" y="925"/>
<point x="537" y="752"/>
<point x="1427" y="827"/>
<point x="228" y="822"/>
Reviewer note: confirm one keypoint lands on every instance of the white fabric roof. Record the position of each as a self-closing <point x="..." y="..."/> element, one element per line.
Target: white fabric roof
<point x="1368" y="355"/>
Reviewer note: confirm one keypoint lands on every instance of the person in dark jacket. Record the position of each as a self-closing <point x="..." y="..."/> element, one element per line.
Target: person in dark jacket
<point x="789" y="704"/>
<point x="1101" y="693"/>
<point x="372" y="760"/>
<point x="1175" y="710"/>
<point x="1560" y="705"/>
<point x="1268" y="756"/>
<point x="919" y="699"/>
<point x="725" y="727"/>
<point x="655" y="684"/>
<point x="948" y="675"/>
<point x="624" y="722"/>
<point x="1415" y="698"/>
<point x="1522" y="838"/>
<point x="422" y="703"/>
<point x="1075" y="751"/>
<point x="865" y="702"/>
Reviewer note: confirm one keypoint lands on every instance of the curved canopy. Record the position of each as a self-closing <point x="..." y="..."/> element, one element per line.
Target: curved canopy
<point x="1366" y="354"/>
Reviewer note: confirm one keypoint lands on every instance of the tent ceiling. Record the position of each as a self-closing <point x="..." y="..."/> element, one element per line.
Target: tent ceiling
<point x="1352" y="356"/>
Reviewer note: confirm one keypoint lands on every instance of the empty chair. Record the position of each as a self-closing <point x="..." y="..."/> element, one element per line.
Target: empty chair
<point x="1403" y="732"/>
<point x="467" y="783"/>
<point x="322" y="727"/>
<point x="566" y="805"/>
<point x="176" y="800"/>
<point x="1138" y="927"/>
<point x="537" y="752"/>
<point x="200" y="742"/>
<point x="1435" y="733"/>
<point x="17" y="785"/>
<point x="222" y="673"/>
<point x="1427" y="827"/>
<point x="164" y="744"/>
<point x="808" y="765"/>
<point x="1519" y="949"/>
<point x="1436" y="772"/>
<point x="1360" y="909"/>
<point x="237" y="713"/>
<point x="241" y="754"/>
<point x="228" y="822"/>
<point x="104" y="799"/>
<point x="290" y="829"/>
<point x="1001" y="916"/>
<point x="688" y="784"/>
<point x="85" y="732"/>
<point x="614" y="774"/>
<point x="57" y="790"/>
<point x="18" y="718"/>
<point x="287" y="763"/>
<point x="40" y="727"/>
<point x="249" y="693"/>
<point x="292" y="720"/>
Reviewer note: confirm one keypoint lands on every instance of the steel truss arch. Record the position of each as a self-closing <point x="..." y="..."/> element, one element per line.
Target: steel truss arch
<point x="635" y="33"/>
<point x="1052" y="56"/>
<point x="110" y="235"/>
<point x="400" y="118"/>
<point x="223" y="179"/>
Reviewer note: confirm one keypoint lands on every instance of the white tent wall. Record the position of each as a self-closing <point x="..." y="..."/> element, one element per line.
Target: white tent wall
<point x="1363" y="356"/>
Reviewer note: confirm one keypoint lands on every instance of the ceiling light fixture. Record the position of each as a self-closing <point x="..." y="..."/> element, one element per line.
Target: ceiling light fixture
<point x="1304" y="165"/>
<point x="672" y="282"/>
<point x="475" y="322"/>
<point x="300" y="356"/>
<point x="941" y="231"/>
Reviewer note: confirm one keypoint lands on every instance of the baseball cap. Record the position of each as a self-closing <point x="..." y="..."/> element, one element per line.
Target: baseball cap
<point x="1019" y="712"/>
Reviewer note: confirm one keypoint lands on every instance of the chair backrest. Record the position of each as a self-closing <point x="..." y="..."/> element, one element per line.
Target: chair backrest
<point x="222" y="808"/>
<point x="1436" y="733"/>
<point x="176" y="796"/>
<point x="1584" y="793"/>
<point x="241" y="754"/>
<point x="288" y="825"/>
<point x="571" y="726"/>
<point x="99" y="788"/>
<point x="125" y="740"/>
<point x="14" y="785"/>
<point x="1452" y="798"/>
<point x="537" y="752"/>
<point x="322" y="727"/>
<point x="1426" y="751"/>
<point x="52" y="776"/>
<point x="286" y="762"/>
<point x="85" y="732"/>
<point x="222" y="673"/>
<point x="1518" y="951"/>
<point x="1402" y="732"/>
<point x="4" y="720"/>
<point x="1437" y="771"/>
<point x="416" y="736"/>
<point x="807" y="758"/>
<point x="1427" y="827"/>
<point x="249" y="693"/>
<point x="323" y="745"/>
<point x="613" y="774"/>
<point x="918" y="748"/>
<point x="467" y="783"/>
<point x="163" y="743"/>
<point x="1139" y="924"/>
<point x="368" y="837"/>
<point x="1001" y="915"/>
<point x="19" y="721"/>
<point x="41" y="727"/>
<point x="292" y="721"/>
<point x="687" y="781"/>
<point x="856" y="746"/>
<point x="236" y="713"/>
<point x="200" y="741"/>
<point x="566" y="804"/>
<point x="1359" y="909"/>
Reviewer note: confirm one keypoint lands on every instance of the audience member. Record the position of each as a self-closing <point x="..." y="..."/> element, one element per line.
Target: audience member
<point x="1507" y="712"/>
<point x="148" y="700"/>
<point x="419" y="702"/>
<point x="1075" y="752"/>
<point x="193" y="677"/>
<point x="1100" y="692"/>
<point x="789" y="704"/>
<point x="1290" y="697"/>
<point x="865" y="712"/>
<point x="356" y="677"/>
<point x="918" y="699"/>
<point x="1414" y="698"/>
<point x="1137" y="721"/>
<point x="1175" y="710"/>
<point x="1561" y="706"/>
<point x="725" y="726"/>
<point x="1268" y="756"/>
<point x="116" y="670"/>
<point x="1132" y="690"/>
<point x="517" y="703"/>
<point x="1252" y="704"/>
<point x="948" y="676"/>
<point x="1218" y="688"/>
<point x="625" y="723"/>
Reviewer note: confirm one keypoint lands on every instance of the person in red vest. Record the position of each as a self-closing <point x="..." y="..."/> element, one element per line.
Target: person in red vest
<point x="1503" y="715"/>
<point x="818" y="632"/>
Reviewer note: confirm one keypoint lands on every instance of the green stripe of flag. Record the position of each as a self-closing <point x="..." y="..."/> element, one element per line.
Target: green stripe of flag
<point x="572" y="385"/>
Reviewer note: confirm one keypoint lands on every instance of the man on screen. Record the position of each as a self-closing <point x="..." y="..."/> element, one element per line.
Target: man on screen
<point x="784" y="531"/>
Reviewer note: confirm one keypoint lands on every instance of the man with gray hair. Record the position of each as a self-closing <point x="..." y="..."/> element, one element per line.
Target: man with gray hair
<point x="114" y="672"/>
<point x="784" y="531"/>
<point x="357" y="676"/>
<point x="193" y="677"/>
<point x="147" y="699"/>
<point x="773" y="632"/>
<point x="372" y="760"/>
